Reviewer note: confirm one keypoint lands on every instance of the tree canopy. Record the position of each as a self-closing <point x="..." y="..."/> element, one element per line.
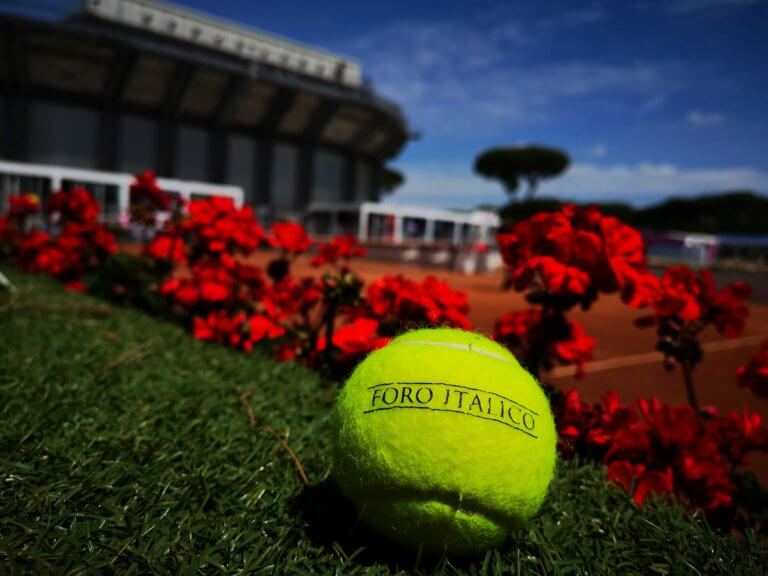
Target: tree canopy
<point x="390" y="179"/>
<point x="732" y="212"/>
<point x="511" y="164"/>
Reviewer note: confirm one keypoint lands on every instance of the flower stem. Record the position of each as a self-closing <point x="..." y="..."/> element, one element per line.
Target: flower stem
<point x="689" y="387"/>
<point x="330" y="321"/>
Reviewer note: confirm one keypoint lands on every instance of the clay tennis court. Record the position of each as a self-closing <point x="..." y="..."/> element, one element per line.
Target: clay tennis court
<point x="625" y="359"/>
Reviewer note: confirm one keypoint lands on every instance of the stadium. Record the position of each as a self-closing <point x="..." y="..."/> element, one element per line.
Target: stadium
<point x="123" y="86"/>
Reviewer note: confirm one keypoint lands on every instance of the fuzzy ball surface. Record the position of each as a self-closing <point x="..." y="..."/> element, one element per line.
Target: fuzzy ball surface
<point x="444" y="441"/>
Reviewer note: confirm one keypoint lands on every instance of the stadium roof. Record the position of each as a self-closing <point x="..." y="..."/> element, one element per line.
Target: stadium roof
<point x="143" y="57"/>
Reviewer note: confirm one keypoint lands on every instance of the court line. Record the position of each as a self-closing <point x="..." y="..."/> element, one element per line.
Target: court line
<point x="649" y="357"/>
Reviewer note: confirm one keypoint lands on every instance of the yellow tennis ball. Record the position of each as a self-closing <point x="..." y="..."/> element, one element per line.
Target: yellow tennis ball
<point x="444" y="441"/>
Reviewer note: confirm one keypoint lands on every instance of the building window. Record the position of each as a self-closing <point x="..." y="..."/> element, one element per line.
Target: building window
<point x="381" y="226"/>
<point x="63" y="135"/>
<point x="241" y="165"/>
<point x="444" y="231"/>
<point x="414" y="228"/>
<point x="328" y="177"/>
<point x="284" y="166"/>
<point x="191" y="153"/>
<point x="363" y="181"/>
<point x="138" y="144"/>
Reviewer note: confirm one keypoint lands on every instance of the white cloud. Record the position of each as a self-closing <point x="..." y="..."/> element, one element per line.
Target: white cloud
<point x="449" y="186"/>
<point x="688" y="6"/>
<point x="598" y="151"/>
<point x="699" y="118"/>
<point x="653" y="103"/>
<point x="573" y="18"/>
<point x="453" y="78"/>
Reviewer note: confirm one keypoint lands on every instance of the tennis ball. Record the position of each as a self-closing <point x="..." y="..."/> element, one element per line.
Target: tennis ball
<point x="443" y="440"/>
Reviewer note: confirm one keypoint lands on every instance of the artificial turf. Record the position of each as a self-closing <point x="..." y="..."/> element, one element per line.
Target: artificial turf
<point x="125" y="448"/>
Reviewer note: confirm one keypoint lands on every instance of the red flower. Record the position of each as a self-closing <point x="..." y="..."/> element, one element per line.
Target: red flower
<point x="673" y="449"/>
<point x="339" y="248"/>
<point x="657" y="482"/>
<point x="673" y="426"/>
<point x="184" y="292"/>
<point x="355" y="340"/>
<point x="525" y="330"/>
<point x="430" y="302"/>
<point x="220" y="327"/>
<point x="623" y="473"/>
<point x="260" y="328"/>
<point x="577" y="349"/>
<point x="754" y="374"/>
<point x="289" y="296"/>
<point x="22" y="205"/>
<point x="729" y="311"/>
<point x="573" y="251"/>
<point x="145" y="190"/>
<point x="290" y="237"/>
<point x="514" y="328"/>
<point x="76" y="205"/>
<point x="75" y="286"/>
<point x="684" y="297"/>
<point x="168" y="247"/>
<point x="559" y="278"/>
<point x="645" y="481"/>
<point x="215" y="226"/>
<point x="237" y="330"/>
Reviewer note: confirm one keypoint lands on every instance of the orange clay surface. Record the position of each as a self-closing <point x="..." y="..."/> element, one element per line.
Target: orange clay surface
<point x="625" y="359"/>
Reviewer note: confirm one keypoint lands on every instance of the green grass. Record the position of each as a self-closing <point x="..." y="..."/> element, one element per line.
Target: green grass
<point x="124" y="448"/>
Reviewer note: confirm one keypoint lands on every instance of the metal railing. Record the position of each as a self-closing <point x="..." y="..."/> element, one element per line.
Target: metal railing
<point x="111" y="189"/>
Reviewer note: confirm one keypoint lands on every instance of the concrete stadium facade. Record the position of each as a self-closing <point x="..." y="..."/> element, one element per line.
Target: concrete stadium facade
<point x="129" y="85"/>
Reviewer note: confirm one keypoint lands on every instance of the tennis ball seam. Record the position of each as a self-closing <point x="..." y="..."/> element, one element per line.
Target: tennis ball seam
<point x="455" y="346"/>
<point x="453" y="500"/>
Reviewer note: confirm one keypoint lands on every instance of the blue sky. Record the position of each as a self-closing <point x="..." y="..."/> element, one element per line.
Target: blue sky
<point x="650" y="98"/>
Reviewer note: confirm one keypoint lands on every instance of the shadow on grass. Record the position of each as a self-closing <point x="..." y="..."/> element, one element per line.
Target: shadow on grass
<point x="332" y="521"/>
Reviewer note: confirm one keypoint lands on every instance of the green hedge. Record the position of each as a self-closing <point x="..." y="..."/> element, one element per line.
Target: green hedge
<point x="124" y="448"/>
<point x="727" y="213"/>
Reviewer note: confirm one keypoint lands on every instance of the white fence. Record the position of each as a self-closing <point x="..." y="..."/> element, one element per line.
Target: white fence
<point x="111" y="189"/>
<point x="399" y="223"/>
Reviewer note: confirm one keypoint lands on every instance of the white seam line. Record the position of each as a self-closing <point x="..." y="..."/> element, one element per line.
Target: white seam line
<point x="456" y="346"/>
<point x="645" y="358"/>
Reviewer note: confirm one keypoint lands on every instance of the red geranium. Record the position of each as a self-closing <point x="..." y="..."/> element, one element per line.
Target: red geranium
<point x="145" y="191"/>
<point x="355" y="340"/>
<point x="554" y="337"/>
<point x="430" y="302"/>
<point x="290" y="237"/>
<point x="169" y="247"/>
<point x="339" y="248"/>
<point x="76" y="205"/>
<point x="673" y="448"/>
<point x="576" y="348"/>
<point x="575" y="251"/>
<point x="640" y="481"/>
<point x="684" y="303"/>
<point x="754" y="374"/>
<point x="238" y="330"/>
<point x="683" y="297"/>
<point x="216" y="226"/>
<point x="22" y="205"/>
